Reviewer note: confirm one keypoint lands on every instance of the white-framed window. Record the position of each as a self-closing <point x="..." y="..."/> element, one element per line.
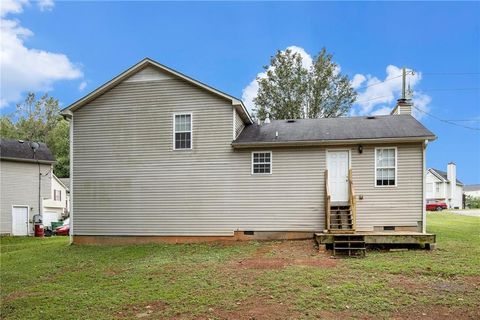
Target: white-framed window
<point x="182" y="131"/>
<point x="385" y="167"/>
<point x="437" y="186"/>
<point x="57" y="195"/>
<point x="262" y="162"/>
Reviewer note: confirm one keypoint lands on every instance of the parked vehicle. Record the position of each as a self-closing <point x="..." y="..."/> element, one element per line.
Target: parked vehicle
<point x="436" y="206"/>
<point x="63" y="230"/>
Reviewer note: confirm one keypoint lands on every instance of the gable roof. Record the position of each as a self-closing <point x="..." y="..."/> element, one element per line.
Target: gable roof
<point x="65" y="182"/>
<point x="334" y="130"/>
<point x="61" y="181"/>
<point x="471" y="187"/>
<point x="19" y="150"/>
<point x="237" y="103"/>
<point x="443" y="175"/>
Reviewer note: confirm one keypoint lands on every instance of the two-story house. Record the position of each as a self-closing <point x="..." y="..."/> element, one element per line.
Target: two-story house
<point x="159" y="156"/>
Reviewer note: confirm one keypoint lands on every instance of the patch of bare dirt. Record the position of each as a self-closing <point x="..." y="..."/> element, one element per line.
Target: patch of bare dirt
<point x="254" y="308"/>
<point x="438" y="285"/>
<point x="278" y="255"/>
<point x="142" y="310"/>
<point x="17" y="295"/>
<point x="435" y="312"/>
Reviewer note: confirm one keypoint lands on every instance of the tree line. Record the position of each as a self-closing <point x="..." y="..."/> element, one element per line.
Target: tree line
<point x="38" y="119"/>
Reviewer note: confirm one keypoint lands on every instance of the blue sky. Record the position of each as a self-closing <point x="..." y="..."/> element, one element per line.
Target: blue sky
<point x="70" y="48"/>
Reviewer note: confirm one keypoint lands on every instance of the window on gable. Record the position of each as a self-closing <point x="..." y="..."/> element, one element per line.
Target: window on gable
<point x="385" y="166"/>
<point x="182" y="131"/>
<point x="437" y="186"/>
<point x="262" y="162"/>
<point x="57" y="195"/>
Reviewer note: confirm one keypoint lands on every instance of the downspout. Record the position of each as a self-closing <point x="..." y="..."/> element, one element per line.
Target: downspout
<point x="424" y="191"/>
<point x="71" y="177"/>
<point x="68" y="115"/>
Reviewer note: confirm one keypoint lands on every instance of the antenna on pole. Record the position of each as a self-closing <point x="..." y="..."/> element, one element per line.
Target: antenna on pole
<point x="404" y="80"/>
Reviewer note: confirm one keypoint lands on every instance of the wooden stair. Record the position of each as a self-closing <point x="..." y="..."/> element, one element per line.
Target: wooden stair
<point x="341" y="218"/>
<point x="347" y="245"/>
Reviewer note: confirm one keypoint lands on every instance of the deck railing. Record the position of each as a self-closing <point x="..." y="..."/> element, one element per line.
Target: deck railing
<point x="352" y="200"/>
<point x="327" y="202"/>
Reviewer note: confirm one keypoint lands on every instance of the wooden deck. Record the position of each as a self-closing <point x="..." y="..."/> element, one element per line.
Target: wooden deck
<point x="423" y="240"/>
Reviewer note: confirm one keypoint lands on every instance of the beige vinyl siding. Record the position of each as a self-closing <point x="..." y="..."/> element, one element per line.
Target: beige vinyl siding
<point x="19" y="186"/>
<point x="389" y="206"/>
<point x="239" y="125"/>
<point x="128" y="180"/>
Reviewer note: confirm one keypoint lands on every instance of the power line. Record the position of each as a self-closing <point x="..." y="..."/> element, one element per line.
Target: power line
<point x="446" y="121"/>
<point x="377" y="83"/>
<point x="427" y="90"/>
<point x="449" y="73"/>
<point x="449" y="89"/>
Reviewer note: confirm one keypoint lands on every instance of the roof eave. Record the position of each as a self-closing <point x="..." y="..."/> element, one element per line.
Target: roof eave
<point x="240" y="145"/>
<point x="27" y="160"/>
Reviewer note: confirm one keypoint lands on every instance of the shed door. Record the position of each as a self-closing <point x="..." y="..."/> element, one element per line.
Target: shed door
<point x="19" y="221"/>
<point x="337" y="166"/>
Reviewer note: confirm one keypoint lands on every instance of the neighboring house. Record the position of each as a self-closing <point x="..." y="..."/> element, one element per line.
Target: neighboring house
<point x="157" y="154"/>
<point x="441" y="188"/>
<point x="25" y="181"/>
<point x="58" y="206"/>
<point x="472" y="190"/>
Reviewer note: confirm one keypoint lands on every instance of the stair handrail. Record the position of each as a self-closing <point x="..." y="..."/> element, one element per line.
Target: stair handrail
<point x="327" y="202"/>
<point x="352" y="199"/>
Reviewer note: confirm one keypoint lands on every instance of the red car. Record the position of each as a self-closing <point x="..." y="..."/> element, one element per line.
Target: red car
<point x="63" y="230"/>
<point x="436" y="206"/>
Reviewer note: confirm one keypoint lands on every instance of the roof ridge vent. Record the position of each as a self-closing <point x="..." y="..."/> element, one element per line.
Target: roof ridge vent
<point x="371" y="117"/>
<point x="291" y="120"/>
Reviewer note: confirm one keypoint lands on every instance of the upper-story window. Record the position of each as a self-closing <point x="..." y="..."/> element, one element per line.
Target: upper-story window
<point x="182" y="135"/>
<point x="385" y="167"/>
<point x="262" y="162"/>
<point x="57" y="195"/>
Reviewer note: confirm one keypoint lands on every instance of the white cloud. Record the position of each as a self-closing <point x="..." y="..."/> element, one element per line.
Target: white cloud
<point x="82" y="85"/>
<point x="12" y="6"/>
<point x="46" y="5"/>
<point x="357" y="80"/>
<point x="27" y="69"/>
<point x="250" y="91"/>
<point x="378" y="95"/>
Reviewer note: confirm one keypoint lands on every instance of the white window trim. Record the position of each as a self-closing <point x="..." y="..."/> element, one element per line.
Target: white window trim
<point x="396" y="169"/>
<point x="174" y="129"/>
<point x="271" y="163"/>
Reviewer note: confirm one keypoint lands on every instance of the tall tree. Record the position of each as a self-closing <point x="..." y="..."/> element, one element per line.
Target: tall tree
<point x="290" y="91"/>
<point x="39" y="120"/>
<point x="282" y="91"/>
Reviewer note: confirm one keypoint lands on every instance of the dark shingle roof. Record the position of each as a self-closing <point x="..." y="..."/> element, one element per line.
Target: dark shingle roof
<point x="471" y="187"/>
<point x="444" y="175"/>
<point x="331" y="129"/>
<point x="15" y="149"/>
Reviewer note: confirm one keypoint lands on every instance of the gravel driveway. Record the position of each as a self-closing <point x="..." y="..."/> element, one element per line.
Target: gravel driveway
<point x="470" y="212"/>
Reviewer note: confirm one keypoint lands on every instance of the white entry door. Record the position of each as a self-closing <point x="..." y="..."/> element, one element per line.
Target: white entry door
<point x="20" y="221"/>
<point x="337" y="166"/>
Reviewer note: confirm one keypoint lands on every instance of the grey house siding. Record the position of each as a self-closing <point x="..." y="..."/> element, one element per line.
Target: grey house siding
<point x="19" y="186"/>
<point x="128" y="180"/>
<point x="239" y="125"/>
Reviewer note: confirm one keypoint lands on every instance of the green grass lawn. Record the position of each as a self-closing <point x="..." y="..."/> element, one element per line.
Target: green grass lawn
<point x="47" y="279"/>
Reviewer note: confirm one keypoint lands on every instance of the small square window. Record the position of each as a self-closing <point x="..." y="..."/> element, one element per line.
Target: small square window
<point x="262" y="162"/>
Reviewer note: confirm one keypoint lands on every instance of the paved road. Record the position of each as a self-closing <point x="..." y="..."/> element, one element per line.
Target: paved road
<point x="472" y="212"/>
